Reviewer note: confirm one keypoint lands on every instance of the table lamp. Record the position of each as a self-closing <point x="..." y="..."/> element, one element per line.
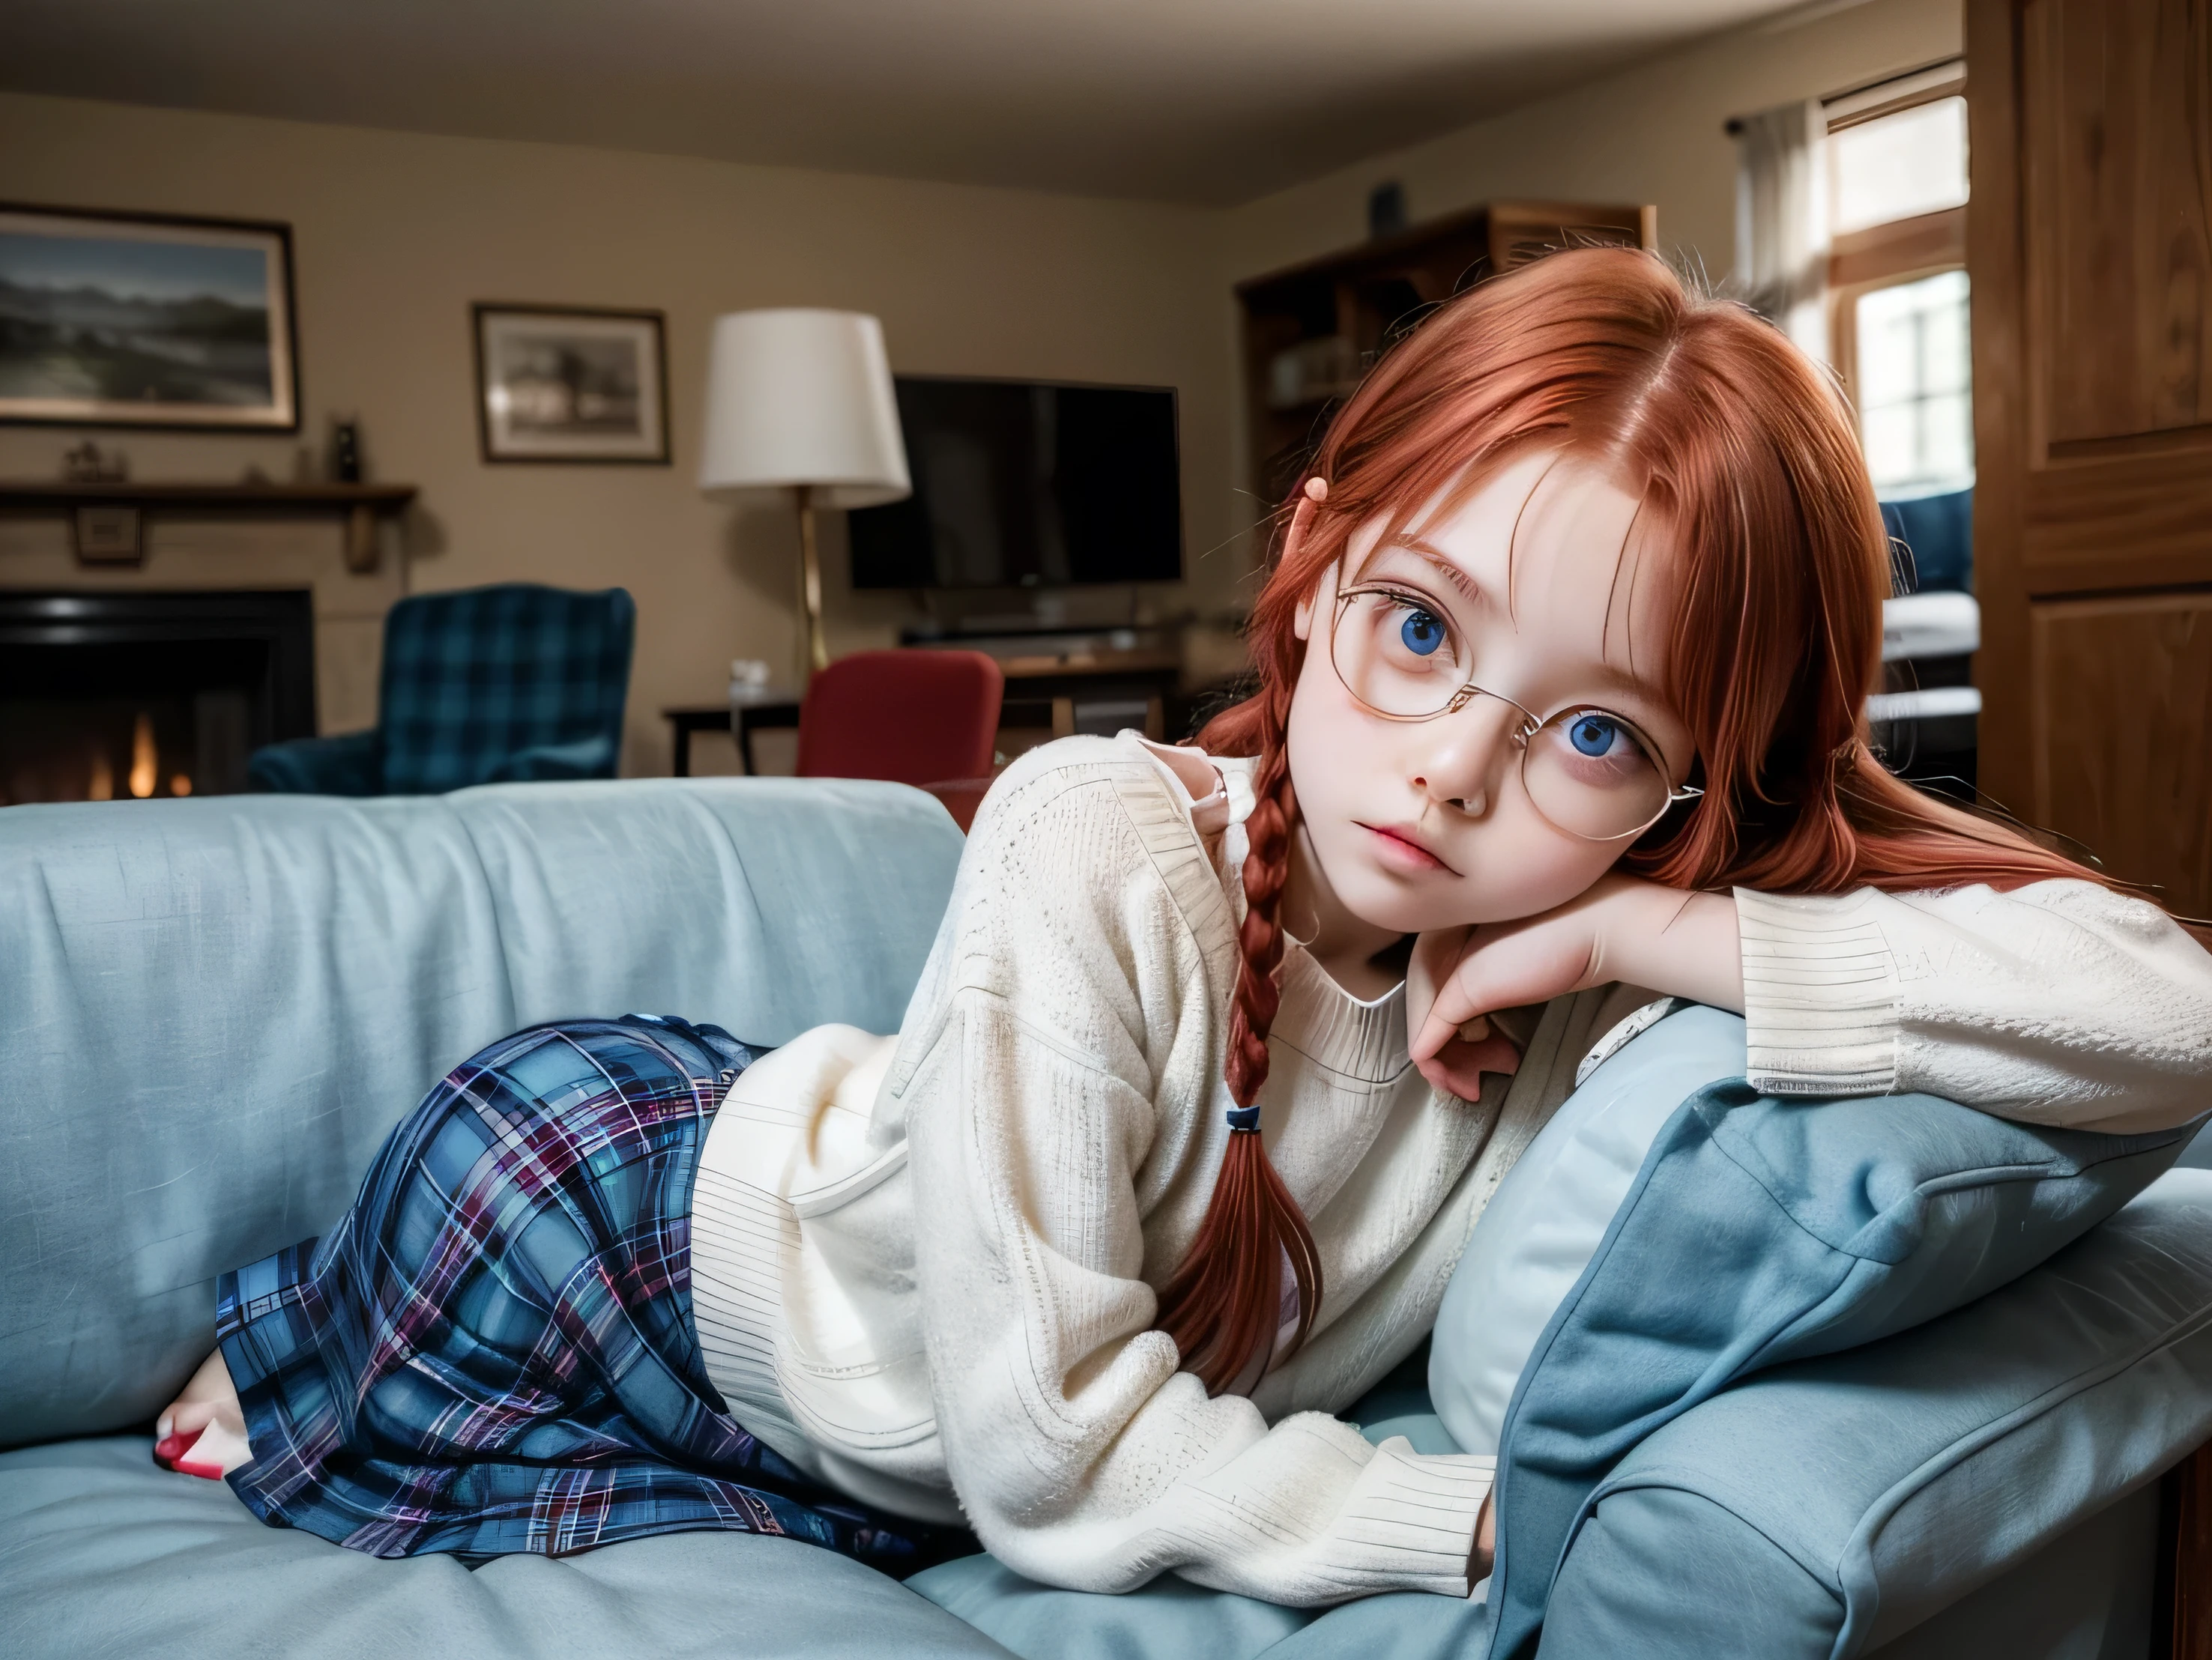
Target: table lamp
<point x="800" y="401"/>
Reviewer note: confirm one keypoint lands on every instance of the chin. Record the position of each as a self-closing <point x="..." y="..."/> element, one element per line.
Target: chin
<point x="1382" y="900"/>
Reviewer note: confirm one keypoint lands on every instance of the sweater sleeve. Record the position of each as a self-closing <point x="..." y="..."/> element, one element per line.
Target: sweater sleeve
<point x="1061" y="1085"/>
<point x="2059" y="1003"/>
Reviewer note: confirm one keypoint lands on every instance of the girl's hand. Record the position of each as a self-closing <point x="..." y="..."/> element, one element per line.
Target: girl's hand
<point x="1683" y="944"/>
<point x="1470" y="1048"/>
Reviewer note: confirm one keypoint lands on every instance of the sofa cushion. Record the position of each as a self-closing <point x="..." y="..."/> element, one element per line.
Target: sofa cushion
<point x="1171" y="1619"/>
<point x="1759" y="1232"/>
<point x="1830" y="1506"/>
<point x="101" y="1552"/>
<point x="217" y="1008"/>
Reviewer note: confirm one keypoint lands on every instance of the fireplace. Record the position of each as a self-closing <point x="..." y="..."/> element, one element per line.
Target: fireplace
<point x="130" y="693"/>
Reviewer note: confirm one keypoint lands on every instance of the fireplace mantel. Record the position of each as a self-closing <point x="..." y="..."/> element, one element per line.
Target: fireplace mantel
<point x="362" y="504"/>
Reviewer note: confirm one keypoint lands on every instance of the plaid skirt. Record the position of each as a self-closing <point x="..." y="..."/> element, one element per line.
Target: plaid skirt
<point x="494" y="1353"/>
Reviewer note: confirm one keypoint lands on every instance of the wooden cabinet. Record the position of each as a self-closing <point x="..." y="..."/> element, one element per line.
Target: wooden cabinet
<point x="1310" y="332"/>
<point x="2089" y="243"/>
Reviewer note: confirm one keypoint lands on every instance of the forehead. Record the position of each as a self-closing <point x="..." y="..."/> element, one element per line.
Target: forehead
<point x="1553" y="548"/>
<point x="1543" y="521"/>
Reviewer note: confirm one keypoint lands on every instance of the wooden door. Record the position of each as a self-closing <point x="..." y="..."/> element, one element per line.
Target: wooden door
<point x="2089" y="245"/>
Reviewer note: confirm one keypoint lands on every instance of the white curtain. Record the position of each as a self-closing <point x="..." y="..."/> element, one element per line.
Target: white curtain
<point x="1782" y="219"/>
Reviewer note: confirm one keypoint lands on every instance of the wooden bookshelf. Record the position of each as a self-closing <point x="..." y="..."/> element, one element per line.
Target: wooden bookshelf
<point x="1313" y="330"/>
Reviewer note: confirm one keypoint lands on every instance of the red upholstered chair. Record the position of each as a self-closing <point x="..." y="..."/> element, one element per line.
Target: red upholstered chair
<point x="918" y="716"/>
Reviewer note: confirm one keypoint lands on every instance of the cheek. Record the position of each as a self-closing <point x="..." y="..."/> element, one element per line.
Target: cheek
<point x="1539" y="868"/>
<point x="1335" y="759"/>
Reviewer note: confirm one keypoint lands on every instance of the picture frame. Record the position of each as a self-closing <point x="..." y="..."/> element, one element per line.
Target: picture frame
<point x="112" y="318"/>
<point x="571" y="384"/>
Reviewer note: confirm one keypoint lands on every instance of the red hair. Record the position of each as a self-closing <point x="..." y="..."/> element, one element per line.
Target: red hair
<point x="1747" y="460"/>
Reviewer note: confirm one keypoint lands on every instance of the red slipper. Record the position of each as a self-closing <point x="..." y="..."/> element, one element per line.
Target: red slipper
<point x="169" y="1453"/>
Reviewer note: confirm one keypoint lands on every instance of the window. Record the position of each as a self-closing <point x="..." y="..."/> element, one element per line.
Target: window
<point x="1914" y="380"/>
<point x="1897" y="166"/>
<point x="1899" y="299"/>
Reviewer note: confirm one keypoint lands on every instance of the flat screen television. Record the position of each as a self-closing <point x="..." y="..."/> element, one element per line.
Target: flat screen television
<point x="1024" y="484"/>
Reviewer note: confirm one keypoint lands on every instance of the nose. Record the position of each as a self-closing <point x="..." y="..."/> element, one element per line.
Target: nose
<point x="1463" y="760"/>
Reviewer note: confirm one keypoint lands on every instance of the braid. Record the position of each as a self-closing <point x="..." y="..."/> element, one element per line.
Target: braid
<point x="1222" y="1304"/>
<point x="1260" y="941"/>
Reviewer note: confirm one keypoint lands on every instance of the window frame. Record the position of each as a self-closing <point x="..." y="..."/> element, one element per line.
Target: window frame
<point x="1897" y="250"/>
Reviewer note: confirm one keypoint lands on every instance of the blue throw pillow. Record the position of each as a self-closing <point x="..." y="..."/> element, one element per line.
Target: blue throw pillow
<point x="1761" y="1230"/>
<point x="1539" y="1229"/>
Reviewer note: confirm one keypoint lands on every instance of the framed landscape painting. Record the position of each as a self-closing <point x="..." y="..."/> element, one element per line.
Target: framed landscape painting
<point x="112" y="320"/>
<point x="562" y="384"/>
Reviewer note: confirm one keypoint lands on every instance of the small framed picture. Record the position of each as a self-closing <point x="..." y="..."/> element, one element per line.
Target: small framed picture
<point x="562" y="383"/>
<point x="113" y="320"/>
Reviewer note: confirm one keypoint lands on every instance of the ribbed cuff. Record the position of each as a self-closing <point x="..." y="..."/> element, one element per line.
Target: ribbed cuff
<point x="1820" y="995"/>
<point x="1409" y="1525"/>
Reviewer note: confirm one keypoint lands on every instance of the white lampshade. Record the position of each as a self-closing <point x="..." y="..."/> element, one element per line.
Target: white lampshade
<point x="802" y="397"/>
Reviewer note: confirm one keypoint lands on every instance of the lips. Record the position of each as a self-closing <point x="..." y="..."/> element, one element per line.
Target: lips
<point x="1401" y="845"/>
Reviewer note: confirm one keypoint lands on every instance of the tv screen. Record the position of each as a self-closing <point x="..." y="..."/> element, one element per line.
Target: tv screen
<point x="1019" y="484"/>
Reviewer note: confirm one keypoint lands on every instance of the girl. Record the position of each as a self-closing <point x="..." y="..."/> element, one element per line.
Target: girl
<point x="1221" y="1050"/>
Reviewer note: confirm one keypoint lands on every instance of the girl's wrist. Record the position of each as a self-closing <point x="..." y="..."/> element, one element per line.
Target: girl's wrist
<point x="1683" y="944"/>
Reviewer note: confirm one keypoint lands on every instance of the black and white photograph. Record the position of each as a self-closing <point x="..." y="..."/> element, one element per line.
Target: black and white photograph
<point x="142" y="320"/>
<point x="568" y="384"/>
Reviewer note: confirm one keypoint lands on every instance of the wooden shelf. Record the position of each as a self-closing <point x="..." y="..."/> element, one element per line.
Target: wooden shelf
<point x="361" y="504"/>
<point x="1363" y="299"/>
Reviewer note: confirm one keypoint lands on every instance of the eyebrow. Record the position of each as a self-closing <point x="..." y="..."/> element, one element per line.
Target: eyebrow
<point x="1625" y="680"/>
<point x="1444" y="562"/>
<point x="1628" y="679"/>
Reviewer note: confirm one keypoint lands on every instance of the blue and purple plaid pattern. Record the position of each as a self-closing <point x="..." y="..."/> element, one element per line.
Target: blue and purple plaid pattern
<point x="493" y="1351"/>
<point x="474" y="680"/>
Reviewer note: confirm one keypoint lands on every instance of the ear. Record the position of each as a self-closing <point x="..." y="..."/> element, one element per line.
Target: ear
<point x="1315" y="492"/>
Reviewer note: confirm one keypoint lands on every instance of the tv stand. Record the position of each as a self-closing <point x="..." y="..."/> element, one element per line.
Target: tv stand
<point x="1061" y="681"/>
<point x="1029" y="630"/>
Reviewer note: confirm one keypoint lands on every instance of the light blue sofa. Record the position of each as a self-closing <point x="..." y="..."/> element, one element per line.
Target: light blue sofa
<point x="212" y="1011"/>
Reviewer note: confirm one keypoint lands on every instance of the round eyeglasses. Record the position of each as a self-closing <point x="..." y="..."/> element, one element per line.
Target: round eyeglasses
<point x="1401" y="655"/>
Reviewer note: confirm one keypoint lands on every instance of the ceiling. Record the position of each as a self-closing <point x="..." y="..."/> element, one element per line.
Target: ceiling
<point x="1193" y="100"/>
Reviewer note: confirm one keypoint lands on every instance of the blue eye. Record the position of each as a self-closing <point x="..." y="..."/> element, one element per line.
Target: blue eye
<point x="1422" y="633"/>
<point x="1592" y="735"/>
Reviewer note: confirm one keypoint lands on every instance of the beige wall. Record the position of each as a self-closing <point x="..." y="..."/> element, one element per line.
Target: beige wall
<point x="394" y="235"/>
<point x="1652" y="134"/>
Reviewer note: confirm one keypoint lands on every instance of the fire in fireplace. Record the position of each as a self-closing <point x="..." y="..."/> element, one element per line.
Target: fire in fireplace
<point x="130" y="694"/>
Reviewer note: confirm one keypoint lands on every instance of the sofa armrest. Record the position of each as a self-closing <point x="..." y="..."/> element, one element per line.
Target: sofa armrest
<point x="349" y="765"/>
<point x="586" y="757"/>
<point x="1834" y="1504"/>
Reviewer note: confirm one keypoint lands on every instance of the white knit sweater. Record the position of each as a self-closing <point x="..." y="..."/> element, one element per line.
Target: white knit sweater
<point x="927" y="1266"/>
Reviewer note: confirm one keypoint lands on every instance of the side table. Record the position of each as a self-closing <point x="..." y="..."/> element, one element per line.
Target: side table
<point x="752" y="717"/>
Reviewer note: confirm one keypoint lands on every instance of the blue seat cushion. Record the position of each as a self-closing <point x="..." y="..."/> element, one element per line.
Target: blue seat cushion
<point x="1171" y="1619"/>
<point x="102" y="1553"/>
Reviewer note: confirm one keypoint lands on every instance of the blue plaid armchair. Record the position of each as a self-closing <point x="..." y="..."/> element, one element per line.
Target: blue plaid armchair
<point x="485" y="686"/>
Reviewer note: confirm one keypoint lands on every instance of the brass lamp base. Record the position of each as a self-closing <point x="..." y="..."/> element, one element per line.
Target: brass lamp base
<point x="814" y="652"/>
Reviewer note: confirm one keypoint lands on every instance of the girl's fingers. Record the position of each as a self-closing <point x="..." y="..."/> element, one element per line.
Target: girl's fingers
<point x="1457" y="1068"/>
<point x="1459" y="1000"/>
<point x="1527" y="963"/>
<point x="1435" y="955"/>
